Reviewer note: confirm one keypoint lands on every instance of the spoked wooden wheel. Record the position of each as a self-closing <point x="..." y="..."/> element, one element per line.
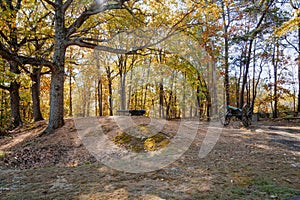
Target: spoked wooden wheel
<point x="246" y="115"/>
<point x="223" y="116"/>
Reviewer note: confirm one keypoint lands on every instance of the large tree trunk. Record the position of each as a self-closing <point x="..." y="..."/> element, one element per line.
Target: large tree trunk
<point x="15" y="96"/>
<point x="56" y="117"/>
<point x="15" y="103"/>
<point x="35" y="94"/>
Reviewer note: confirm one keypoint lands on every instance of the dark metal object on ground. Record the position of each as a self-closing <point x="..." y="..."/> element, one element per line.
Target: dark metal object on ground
<point x="132" y="112"/>
<point x="244" y="115"/>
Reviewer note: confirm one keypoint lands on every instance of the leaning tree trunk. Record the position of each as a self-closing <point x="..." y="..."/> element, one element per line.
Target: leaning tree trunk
<point x="35" y="94"/>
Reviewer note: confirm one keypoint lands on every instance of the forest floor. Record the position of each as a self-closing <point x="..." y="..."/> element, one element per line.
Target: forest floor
<point x="261" y="162"/>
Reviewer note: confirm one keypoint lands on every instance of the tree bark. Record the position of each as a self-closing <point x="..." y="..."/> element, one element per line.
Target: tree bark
<point x="56" y="117"/>
<point x="15" y="103"/>
<point x="35" y="94"/>
<point x="15" y="96"/>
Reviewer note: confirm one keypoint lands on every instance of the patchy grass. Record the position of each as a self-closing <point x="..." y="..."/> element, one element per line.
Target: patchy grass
<point x="141" y="139"/>
<point x="262" y="189"/>
<point x="2" y="153"/>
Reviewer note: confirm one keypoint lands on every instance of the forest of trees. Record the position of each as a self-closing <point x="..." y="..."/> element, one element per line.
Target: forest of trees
<point x="173" y="58"/>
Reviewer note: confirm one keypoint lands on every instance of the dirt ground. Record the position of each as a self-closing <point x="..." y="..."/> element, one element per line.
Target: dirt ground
<point x="260" y="162"/>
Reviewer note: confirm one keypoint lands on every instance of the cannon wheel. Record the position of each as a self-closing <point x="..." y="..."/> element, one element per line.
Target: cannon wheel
<point x="223" y="116"/>
<point x="246" y="115"/>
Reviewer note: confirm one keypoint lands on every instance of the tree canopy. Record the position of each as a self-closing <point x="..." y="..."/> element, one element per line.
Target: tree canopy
<point x="81" y="58"/>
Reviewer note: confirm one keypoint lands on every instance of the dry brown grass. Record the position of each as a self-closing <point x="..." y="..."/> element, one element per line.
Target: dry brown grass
<point x="262" y="162"/>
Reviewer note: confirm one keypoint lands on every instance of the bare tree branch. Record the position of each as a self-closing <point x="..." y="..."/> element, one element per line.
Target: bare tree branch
<point x="50" y="3"/>
<point x="67" y="5"/>
<point x="22" y="60"/>
<point x="34" y="61"/>
<point x="292" y="45"/>
<point x="86" y="14"/>
<point x="4" y="87"/>
<point x="4" y="36"/>
<point x="81" y="43"/>
<point x="100" y="40"/>
<point x="88" y="30"/>
<point x="25" y="69"/>
<point x="293" y="4"/>
<point x="132" y="50"/>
